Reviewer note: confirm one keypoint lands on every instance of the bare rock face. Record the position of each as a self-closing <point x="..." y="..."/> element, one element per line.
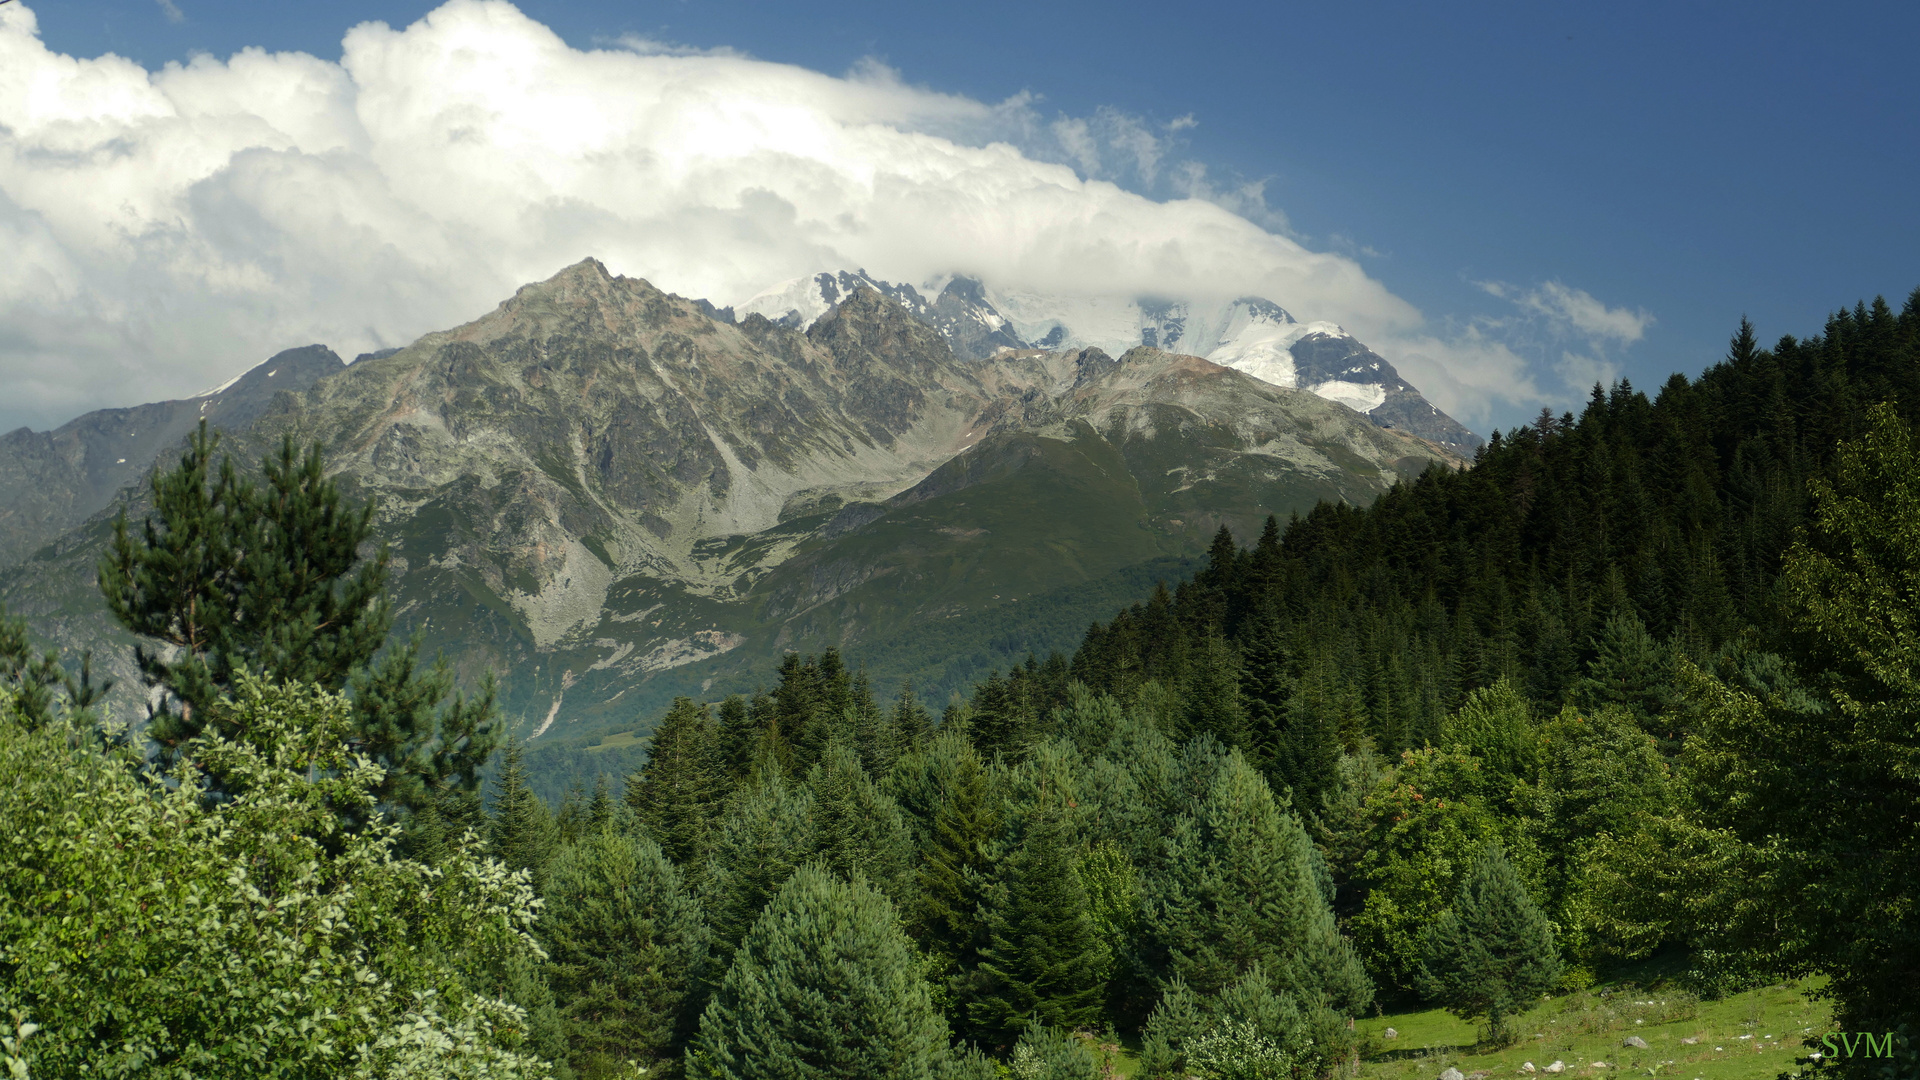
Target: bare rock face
<point x="609" y="494"/>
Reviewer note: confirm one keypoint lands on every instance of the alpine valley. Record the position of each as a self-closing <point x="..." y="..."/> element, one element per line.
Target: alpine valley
<point x="609" y="495"/>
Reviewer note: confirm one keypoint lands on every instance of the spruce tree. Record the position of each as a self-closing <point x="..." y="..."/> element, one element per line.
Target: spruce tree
<point x="957" y="857"/>
<point x="232" y="576"/>
<point x="766" y="832"/>
<point x="1492" y="954"/>
<point x="678" y="793"/>
<point x="858" y="829"/>
<point x="522" y="834"/>
<point x="1044" y="958"/>
<point x="1630" y="670"/>
<point x="825" y="986"/>
<point x="627" y="951"/>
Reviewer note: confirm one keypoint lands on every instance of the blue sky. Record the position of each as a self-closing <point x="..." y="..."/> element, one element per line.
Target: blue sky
<point x="1680" y="164"/>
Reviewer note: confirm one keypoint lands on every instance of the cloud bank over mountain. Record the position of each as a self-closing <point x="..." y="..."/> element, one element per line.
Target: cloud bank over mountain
<point x="167" y="228"/>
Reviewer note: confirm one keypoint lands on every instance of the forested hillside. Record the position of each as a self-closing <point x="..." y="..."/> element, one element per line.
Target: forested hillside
<point x="1640" y="681"/>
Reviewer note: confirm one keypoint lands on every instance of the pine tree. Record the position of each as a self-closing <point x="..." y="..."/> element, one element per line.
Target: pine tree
<point x="858" y="829"/>
<point x="1211" y="694"/>
<point x="1247" y="1030"/>
<point x="522" y="834"/>
<point x="32" y="679"/>
<point x="766" y="832"/>
<point x="677" y="794"/>
<point x="957" y="856"/>
<point x="825" y="986"/>
<point x="910" y="721"/>
<point x="232" y="576"/>
<point x="1045" y="1052"/>
<point x="1044" y="958"/>
<point x="1631" y="670"/>
<point x="1493" y="953"/>
<point x="627" y="950"/>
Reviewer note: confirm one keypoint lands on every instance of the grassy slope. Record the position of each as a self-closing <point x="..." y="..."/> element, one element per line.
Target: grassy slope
<point x="1750" y="1036"/>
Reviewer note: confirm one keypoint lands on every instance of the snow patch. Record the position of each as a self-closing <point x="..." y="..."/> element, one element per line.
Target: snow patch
<point x="1360" y="397"/>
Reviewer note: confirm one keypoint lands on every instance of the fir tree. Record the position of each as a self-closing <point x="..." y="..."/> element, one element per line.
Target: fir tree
<point x="910" y="721"/>
<point x="739" y="737"/>
<point x="1630" y="670"/>
<point x="766" y="832"/>
<point x="1493" y="953"/>
<point x="858" y="829"/>
<point x="601" y="809"/>
<point x="1211" y="694"/>
<point x="677" y="794"/>
<point x="1495" y="724"/>
<point x="957" y="856"/>
<point x="1237" y="888"/>
<point x="825" y="986"/>
<point x="1045" y="958"/>
<point x="627" y="950"/>
<point x="522" y="834"/>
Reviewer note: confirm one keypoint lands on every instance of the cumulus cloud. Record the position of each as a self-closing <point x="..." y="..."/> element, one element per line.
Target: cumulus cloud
<point x="166" y="228"/>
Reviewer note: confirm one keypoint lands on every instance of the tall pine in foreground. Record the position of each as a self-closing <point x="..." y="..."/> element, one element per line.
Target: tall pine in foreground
<point x="230" y="576"/>
<point x="1493" y="953"/>
<point x="627" y="950"/>
<point x="825" y="986"/>
<point x="678" y="793"/>
<point x="1044" y="958"/>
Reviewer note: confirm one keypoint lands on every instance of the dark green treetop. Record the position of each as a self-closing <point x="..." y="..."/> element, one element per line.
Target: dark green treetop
<point x="1492" y="954"/>
<point x="825" y="986"/>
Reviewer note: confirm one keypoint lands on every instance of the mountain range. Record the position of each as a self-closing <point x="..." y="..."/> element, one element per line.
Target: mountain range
<point x="609" y="495"/>
<point x="1248" y="334"/>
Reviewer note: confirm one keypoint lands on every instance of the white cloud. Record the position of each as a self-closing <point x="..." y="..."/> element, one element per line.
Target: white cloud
<point x="1551" y="316"/>
<point x="166" y="228"/>
<point x="172" y="11"/>
<point x="1575" y="311"/>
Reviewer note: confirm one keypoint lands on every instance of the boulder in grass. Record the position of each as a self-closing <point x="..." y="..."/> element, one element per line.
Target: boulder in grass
<point x="1556" y="1067"/>
<point x="1634" y="1041"/>
<point x="1527" y="1067"/>
<point x="1452" y="1073"/>
<point x="1389" y="1034"/>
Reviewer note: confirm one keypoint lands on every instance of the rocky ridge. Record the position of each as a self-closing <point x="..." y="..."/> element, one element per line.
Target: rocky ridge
<point x="1249" y="334"/>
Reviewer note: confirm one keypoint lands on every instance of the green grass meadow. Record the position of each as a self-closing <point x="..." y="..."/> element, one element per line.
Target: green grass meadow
<point x="1754" y="1035"/>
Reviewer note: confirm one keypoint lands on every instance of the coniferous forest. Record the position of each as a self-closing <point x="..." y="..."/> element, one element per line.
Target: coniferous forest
<point x="1640" y="681"/>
